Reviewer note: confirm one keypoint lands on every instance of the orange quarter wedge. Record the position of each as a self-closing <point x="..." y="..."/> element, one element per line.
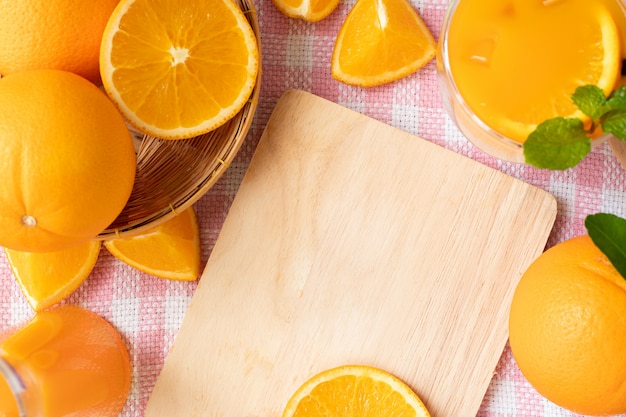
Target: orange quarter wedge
<point x="170" y="250"/>
<point x="47" y="278"/>
<point x="177" y="68"/>
<point x="309" y="10"/>
<point x="379" y="42"/>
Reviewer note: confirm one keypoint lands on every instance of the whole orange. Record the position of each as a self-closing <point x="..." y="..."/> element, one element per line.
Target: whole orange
<point x="56" y="34"/>
<point x="568" y="328"/>
<point x="67" y="157"/>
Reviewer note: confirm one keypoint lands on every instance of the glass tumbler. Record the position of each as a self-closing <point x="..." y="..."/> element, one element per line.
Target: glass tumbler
<point x="66" y="361"/>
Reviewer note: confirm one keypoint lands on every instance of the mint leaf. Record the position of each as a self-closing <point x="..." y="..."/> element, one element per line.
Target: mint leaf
<point x="614" y="122"/>
<point x="617" y="99"/>
<point x="557" y="144"/>
<point x="608" y="233"/>
<point x="561" y="143"/>
<point x="590" y="100"/>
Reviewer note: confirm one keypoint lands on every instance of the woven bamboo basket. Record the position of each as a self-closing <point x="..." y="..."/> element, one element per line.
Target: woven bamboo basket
<point x="173" y="174"/>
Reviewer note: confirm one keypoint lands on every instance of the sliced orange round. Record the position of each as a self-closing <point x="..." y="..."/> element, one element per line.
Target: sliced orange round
<point x="381" y="41"/>
<point x="309" y="10"/>
<point x="177" y="69"/>
<point x="355" y="391"/>
<point x="47" y="278"/>
<point x="170" y="250"/>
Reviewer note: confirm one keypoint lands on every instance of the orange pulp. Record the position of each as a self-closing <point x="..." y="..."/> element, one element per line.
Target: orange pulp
<point x="514" y="61"/>
<point x="70" y="361"/>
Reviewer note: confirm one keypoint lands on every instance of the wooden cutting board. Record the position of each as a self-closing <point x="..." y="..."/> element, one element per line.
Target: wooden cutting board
<point x="350" y="241"/>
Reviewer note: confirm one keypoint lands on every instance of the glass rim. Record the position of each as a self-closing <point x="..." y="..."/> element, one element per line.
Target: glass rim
<point x="15" y="383"/>
<point x="446" y="72"/>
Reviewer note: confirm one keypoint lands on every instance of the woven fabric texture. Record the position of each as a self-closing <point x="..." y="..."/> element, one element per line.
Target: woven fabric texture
<point x="148" y="311"/>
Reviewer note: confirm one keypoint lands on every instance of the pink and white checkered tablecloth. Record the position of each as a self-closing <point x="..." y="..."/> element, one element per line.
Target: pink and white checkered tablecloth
<point x="148" y="311"/>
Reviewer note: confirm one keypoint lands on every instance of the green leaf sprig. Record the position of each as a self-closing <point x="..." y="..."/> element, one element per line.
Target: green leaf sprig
<point x="608" y="233"/>
<point x="561" y="143"/>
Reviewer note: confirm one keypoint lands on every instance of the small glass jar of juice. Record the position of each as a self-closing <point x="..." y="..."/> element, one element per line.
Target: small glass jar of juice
<point x="505" y="66"/>
<point x="66" y="361"/>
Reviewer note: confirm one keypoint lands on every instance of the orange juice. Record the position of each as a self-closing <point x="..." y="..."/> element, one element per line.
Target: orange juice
<point x="516" y="63"/>
<point x="65" y="361"/>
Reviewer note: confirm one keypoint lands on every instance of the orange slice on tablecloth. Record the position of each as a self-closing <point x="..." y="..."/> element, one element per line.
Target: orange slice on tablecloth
<point x="309" y="10"/>
<point x="47" y="278"/>
<point x="170" y="250"/>
<point x="379" y="42"/>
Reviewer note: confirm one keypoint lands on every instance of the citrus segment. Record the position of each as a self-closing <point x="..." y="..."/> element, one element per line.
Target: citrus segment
<point x="68" y="161"/>
<point x="355" y="391"/>
<point x="309" y="10"/>
<point x="170" y="250"/>
<point x="567" y="325"/>
<point x="46" y="278"/>
<point x="381" y="41"/>
<point x="54" y="34"/>
<point x="514" y="82"/>
<point x="177" y="69"/>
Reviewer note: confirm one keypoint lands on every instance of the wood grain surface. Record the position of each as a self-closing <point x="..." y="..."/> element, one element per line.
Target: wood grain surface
<point x="350" y="241"/>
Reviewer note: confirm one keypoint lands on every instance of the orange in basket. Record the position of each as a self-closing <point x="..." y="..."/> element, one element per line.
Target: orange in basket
<point x="177" y="69"/>
<point x="173" y="174"/>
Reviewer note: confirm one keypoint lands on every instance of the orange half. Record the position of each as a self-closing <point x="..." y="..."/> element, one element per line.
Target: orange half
<point x="177" y="69"/>
<point x="355" y="391"/>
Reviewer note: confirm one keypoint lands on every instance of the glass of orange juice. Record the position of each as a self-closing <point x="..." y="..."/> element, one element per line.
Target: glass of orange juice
<point x="505" y="66"/>
<point x="65" y="361"/>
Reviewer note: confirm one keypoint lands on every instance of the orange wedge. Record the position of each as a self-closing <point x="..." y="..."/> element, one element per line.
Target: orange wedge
<point x="170" y="250"/>
<point x="177" y="68"/>
<point x="379" y="42"/>
<point x="47" y="278"/>
<point x="309" y="10"/>
<point x="355" y="391"/>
